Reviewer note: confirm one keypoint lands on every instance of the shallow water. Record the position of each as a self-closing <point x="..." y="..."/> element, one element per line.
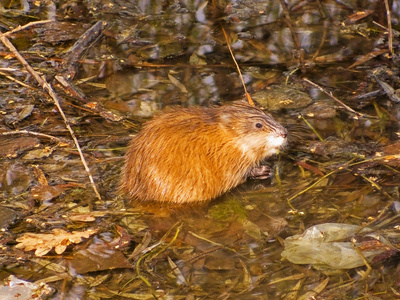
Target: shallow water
<point x="154" y="54"/>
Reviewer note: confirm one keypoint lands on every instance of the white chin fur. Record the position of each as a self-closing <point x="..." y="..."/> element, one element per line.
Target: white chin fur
<point x="246" y="144"/>
<point x="275" y="142"/>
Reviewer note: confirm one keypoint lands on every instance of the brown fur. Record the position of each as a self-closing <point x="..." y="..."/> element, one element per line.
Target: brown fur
<point x="196" y="154"/>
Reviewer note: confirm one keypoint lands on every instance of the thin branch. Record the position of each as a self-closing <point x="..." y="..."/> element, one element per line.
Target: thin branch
<point x="46" y="86"/>
<point x="321" y="44"/>
<point x="289" y="201"/>
<point x="390" y="33"/>
<point x="18" y="81"/>
<point x="249" y="99"/>
<point x="19" y="28"/>
<point x="312" y="128"/>
<point x="348" y="108"/>
<point x="31" y="133"/>
<point x="375" y="185"/>
<point x="295" y="38"/>
<point x="85" y="41"/>
<point x="22" y="60"/>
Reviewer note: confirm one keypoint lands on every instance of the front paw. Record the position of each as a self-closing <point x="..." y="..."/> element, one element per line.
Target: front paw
<point x="260" y="172"/>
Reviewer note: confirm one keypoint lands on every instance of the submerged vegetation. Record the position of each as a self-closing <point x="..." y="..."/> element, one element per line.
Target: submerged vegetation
<point x="78" y="78"/>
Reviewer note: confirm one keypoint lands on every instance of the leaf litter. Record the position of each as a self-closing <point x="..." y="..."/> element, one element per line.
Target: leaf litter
<point x="59" y="239"/>
<point x="340" y="169"/>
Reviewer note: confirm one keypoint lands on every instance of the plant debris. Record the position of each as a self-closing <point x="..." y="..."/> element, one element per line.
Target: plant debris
<point x="43" y="243"/>
<point x="81" y="79"/>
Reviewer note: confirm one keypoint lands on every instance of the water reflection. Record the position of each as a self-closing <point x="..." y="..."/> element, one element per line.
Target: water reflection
<point x="160" y="53"/>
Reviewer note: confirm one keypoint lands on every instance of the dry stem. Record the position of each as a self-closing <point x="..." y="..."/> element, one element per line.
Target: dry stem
<point x="30" y="132"/>
<point x="348" y="108"/>
<point x="249" y="99"/>
<point x="46" y="86"/>
<point x="390" y="33"/>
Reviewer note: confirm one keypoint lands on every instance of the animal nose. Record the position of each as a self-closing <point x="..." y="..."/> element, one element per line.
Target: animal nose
<point x="284" y="134"/>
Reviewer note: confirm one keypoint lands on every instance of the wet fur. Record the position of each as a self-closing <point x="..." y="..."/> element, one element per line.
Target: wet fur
<point x="196" y="154"/>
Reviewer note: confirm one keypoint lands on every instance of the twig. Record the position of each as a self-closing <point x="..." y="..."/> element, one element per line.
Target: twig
<point x="385" y="158"/>
<point x="312" y="128"/>
<point x="72" y="58"/>
<point x="308" y="188"/>
<point x="22" y="60"/>
<point x="375" y="185"/>
<point x="321" y="44"/>
<point x="387" y="89"/>
<point x="293" y="33"/>
<point x="390" y="33"/>
<point x="85" y="41"/>
<point x="249" y="99"/>
<point x="321" y="9"/>
<point x="30" y="132"/>
<point x="374" y="221"/>
<point x="290" y="24"/>
<point x="333" y="97"/>
<point x="46" y="86"/>
<point x="215" y="243"/>
<point x="166" y="246"/>
<point x="359" y="252"/>
<point x="152" y="255"/>
<point x="17" y="81"/>
<point x="19" y="28"/>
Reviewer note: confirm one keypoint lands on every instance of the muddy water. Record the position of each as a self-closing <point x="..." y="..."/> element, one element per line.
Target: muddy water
<point x="154" y="54"/>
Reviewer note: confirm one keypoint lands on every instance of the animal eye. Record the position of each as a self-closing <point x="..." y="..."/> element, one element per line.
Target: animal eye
<point x="258" y="125"/>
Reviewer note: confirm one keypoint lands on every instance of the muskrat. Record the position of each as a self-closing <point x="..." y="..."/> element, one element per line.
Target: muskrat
<point x="198" y="153"/>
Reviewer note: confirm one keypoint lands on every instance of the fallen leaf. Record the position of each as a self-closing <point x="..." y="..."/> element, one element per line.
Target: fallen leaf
<point x="99" y="256"/>
<point x="44" y="242"/>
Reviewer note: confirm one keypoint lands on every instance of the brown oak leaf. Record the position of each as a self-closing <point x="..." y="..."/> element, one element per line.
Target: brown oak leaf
<point x="42" y="243"/>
